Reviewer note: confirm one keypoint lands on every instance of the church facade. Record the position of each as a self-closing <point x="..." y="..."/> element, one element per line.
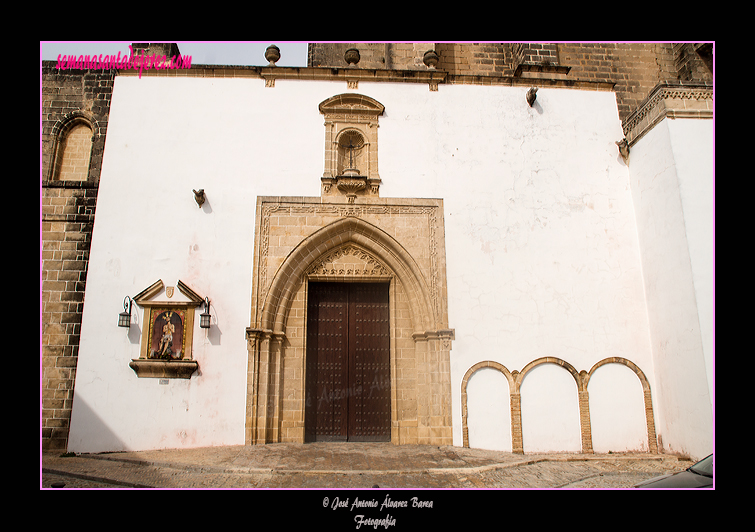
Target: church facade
<point x="495" y="246"/>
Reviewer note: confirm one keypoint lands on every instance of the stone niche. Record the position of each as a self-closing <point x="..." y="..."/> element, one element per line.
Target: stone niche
<point x="351" y="161"/>
<point x="167" y="332"/>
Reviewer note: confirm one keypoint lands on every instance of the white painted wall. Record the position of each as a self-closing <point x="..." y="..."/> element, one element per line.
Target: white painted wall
<point x="166" y="137"/>
<point x="617" y="410"/>
<point x="672" y="182"/>
<point x="541" y="242"/>
<point x="489" y="411"/>
<point x="550" y="411"/>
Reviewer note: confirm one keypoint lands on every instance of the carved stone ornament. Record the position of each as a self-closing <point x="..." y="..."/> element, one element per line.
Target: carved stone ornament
<point x="349" y="261"/>
<point x="668" y="100"/>
<point x="350" y="186"/>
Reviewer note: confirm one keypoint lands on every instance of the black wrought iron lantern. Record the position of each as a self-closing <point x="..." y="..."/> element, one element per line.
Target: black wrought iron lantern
<point x="124" y="318"/>
<point x="204" y="318"/>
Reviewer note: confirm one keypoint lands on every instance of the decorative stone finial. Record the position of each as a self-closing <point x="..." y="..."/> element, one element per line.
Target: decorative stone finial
<point x="352" y="57"/>
<point x="272" y="54"/>
<point x="430" y="59"/>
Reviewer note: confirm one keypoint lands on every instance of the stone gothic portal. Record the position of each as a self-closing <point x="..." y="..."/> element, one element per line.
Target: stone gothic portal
<point x="348" y="395"/>
<point x="348" y="300"/>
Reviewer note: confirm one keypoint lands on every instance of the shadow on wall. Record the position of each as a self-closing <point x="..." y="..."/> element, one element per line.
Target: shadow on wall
<point x="89" y="433"/>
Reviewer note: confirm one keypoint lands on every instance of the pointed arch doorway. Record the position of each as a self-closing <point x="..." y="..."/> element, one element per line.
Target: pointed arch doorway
<point x="394" y="243"/>
<point x="348" y="396"/>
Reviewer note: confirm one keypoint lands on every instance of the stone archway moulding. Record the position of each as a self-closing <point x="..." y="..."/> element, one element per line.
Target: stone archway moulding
<point x="581" y="379"/>
<point x="294" y="237"/>
<point x="59" y="132"/>
<point x="338" y="233"/>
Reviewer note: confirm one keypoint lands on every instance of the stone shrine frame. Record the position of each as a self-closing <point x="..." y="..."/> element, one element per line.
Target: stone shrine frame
<point x="351" y="169"/>
<point x="167" y="333"/>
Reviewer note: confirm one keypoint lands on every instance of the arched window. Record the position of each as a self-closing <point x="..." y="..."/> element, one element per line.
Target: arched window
<point x="73" y="150"/>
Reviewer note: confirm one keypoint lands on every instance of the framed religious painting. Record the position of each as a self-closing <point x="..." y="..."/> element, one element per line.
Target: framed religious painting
<point x="167" y="333"/>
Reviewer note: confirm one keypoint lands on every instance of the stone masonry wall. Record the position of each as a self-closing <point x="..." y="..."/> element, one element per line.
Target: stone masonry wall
<point x="67" y="219"/>
<point x="635" y="69"/>
<point x="66" y="93"/>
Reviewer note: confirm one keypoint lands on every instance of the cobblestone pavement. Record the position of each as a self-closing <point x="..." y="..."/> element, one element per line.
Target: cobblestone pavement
<point x="349" y="466"/>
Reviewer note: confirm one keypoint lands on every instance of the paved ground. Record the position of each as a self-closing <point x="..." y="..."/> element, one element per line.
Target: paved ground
<point x="350" y="466"/>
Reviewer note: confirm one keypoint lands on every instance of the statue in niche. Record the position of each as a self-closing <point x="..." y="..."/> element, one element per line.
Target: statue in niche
<point x="349" y="153"/>
<point x="167" y="335"/>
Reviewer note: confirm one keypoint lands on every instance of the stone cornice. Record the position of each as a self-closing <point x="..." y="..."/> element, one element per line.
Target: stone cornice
<point x="669" y="101"/>
<point x="352" y="76"/>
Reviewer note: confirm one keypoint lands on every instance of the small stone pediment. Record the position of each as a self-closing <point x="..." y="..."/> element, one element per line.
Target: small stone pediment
<point x="348" y="261"/>
<point x="159" y="294"/>
<point x="351" y="104"/>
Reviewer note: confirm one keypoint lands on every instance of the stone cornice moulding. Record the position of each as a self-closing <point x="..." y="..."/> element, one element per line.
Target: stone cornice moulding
<point x="433" y="78"/>
<point x="669" y="101"/>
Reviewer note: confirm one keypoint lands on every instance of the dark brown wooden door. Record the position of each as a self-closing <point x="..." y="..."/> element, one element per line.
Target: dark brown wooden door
<point x="348" y="362"/>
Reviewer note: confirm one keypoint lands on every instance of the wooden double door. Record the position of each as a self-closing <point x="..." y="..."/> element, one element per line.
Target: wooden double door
<point x="348" y="393"/>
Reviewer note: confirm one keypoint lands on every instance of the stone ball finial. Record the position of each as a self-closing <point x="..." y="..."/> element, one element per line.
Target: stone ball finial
<point x="272" y="54"/>
<point x="430" y="59"/>
<point x="352" y="56"/>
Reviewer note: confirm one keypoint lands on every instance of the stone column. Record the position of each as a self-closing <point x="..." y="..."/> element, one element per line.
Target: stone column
<point x="423" y="385"/>
<point x="275" y="372"/>
<point x="444" y="386"/>
<point x="584" y="421"/>
<point x="652" y="438"/>
<point x="252" y="378"/>
<point x="517" y="445"/>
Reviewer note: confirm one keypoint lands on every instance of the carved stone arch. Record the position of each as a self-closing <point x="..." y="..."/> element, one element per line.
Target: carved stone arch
<point x="511" y="378"/>
<point x="70" y="119"/>
<point x="60" y="133"/>
<point x="584" y="410"/>
<point x="549" y="360"/>
<point x="618" y="360"/>
<point x="647" y="396"/>
<point x="384" y="247"/>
